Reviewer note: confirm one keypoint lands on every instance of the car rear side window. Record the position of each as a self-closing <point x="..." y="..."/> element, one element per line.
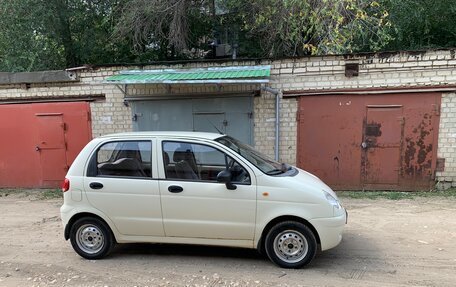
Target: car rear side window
<point x="122" y="159"/>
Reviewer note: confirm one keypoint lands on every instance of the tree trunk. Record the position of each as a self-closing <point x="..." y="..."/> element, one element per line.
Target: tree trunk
<point x="60" y="12"/>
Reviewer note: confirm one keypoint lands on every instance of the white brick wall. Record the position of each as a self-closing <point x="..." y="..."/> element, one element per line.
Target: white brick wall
<point x="382" y="70"/>
<point x="264" y="123"/>
<point x="447" y="141"/>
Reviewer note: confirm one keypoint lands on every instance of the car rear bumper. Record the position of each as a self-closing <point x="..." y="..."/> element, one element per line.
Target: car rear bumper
<point x="65" y="213"/>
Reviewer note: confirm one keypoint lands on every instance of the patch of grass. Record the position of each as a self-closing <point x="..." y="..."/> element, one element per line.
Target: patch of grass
<point x="50" y="194"/>
<point x="396" y="195"/>
<point x="4" y="192"/>
<point x="40" y="194"/>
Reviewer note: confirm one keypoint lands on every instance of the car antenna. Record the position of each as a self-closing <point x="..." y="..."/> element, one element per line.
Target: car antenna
<point x="219" y="131"/>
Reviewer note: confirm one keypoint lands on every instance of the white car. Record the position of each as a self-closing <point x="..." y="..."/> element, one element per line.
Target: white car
<point x="196" y="188"/>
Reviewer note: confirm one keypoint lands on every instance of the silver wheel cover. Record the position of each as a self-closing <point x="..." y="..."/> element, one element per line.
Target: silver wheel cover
<point x="290" y="246"/>
<point x="90" y="239"/>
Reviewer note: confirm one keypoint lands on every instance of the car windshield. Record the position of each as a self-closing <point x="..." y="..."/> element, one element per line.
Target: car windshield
<point x="262" y="162"/>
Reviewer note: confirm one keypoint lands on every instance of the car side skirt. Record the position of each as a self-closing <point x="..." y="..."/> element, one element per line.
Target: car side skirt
<point x="185" y="240"/>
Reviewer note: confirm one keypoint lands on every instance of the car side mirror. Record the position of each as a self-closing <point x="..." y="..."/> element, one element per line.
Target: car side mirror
<point x="225" y="177"/>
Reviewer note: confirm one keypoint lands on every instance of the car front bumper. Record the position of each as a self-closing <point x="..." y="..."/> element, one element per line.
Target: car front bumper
<point x="330" y="229"/>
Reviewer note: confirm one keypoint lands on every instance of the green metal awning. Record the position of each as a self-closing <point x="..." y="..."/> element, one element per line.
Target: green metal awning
<point x="212" y="75"/>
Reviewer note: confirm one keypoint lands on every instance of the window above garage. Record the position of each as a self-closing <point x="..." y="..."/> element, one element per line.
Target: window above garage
<point x="211" y="75"/>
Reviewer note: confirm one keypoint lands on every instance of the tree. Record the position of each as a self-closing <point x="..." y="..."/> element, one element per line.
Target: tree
<point x="422" y="24"/>
<point x="299" y="27"/>
<point x="166" y="28"/>
<point x="22" y="46"/>
<point x="265" y="27"/>
<point x="55" y="34"/>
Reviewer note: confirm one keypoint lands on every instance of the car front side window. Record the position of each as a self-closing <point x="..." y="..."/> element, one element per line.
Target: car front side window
<point x="189" y="161"/>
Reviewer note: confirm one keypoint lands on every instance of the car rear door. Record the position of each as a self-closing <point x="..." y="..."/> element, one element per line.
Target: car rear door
<point x="122" y="183"/>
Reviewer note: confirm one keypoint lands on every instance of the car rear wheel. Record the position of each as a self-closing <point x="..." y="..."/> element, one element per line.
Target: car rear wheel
<point x="290" y="244"/>
<point x="91" y="238"/>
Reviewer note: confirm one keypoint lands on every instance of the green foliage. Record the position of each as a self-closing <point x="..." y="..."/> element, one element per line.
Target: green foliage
<point x="55" y="34"/>
<point x="299" y="27"/>
<point x="422" y="24"/>
<point x="22" y="46"/>
<point x="165" y="29"/>
<point x="260" y="28"/>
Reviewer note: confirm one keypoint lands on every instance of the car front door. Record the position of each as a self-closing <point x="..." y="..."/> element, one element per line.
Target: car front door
<point x="194" y="204"/>
<point x="120" y="183"/>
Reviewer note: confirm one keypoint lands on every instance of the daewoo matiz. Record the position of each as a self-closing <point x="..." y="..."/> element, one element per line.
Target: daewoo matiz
<point x="196" y="188"/>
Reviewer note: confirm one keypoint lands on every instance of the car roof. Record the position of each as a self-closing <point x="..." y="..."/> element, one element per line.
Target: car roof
<point x="167" y="134"/>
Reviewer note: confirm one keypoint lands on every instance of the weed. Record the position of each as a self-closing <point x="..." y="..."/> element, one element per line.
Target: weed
<point x="50" y="194"/>
<point x="4" y="192"/>
<point x="395" y="195"/>
<point x="40" y="194"/>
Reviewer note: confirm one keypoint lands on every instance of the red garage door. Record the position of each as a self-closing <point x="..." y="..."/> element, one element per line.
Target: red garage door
<point x="370" y="141"/>
<point x="40" y="141"/>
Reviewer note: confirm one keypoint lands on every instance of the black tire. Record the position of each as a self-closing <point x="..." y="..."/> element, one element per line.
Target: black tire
<point x="290" y="244"/>
<point x="91" y="238"/>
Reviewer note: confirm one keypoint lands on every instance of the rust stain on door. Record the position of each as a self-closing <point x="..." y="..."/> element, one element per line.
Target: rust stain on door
<point x="372" y="142"/>
<point x="380" y="161"/>
<point x="418" y="158"/>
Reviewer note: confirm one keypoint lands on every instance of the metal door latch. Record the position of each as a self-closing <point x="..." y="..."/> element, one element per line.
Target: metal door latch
<point x="135" y="116"/>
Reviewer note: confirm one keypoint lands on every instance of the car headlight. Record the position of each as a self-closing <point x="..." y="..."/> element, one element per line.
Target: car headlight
<point x="332" y="200"/>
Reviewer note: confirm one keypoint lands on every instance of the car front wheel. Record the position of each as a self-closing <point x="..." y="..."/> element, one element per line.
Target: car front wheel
<point x="290" y="244"/>
<point x="91" y="238"/>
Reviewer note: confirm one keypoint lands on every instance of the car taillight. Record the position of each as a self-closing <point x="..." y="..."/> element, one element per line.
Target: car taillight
<point x="66" y="185"/>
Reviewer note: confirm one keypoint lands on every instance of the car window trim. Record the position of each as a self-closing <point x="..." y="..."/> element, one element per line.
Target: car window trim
<point x="201" y="181"/>
<point x="123" y="177"/>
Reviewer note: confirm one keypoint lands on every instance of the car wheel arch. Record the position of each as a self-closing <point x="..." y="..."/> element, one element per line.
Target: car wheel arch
<point x="77" y="216"/>
<point x="283" y="218"/>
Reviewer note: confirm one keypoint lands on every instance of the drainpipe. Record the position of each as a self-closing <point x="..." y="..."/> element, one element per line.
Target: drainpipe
<point x="277" y="118"/>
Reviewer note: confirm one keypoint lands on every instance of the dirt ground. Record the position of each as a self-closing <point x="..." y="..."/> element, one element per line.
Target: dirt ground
<point x="387" y="243"/>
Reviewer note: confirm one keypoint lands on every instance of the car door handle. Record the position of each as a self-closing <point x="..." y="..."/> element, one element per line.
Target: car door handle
<point x="175" y="189"/>
<point x="96" y="185"/>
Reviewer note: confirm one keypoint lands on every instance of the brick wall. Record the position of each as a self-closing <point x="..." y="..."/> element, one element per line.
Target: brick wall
<point x="447" y="141"/>
<point x="110" y="115"/>
<point x="384" y="70"/>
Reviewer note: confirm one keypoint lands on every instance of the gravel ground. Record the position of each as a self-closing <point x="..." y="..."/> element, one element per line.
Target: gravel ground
<point x="408" y="242"/>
